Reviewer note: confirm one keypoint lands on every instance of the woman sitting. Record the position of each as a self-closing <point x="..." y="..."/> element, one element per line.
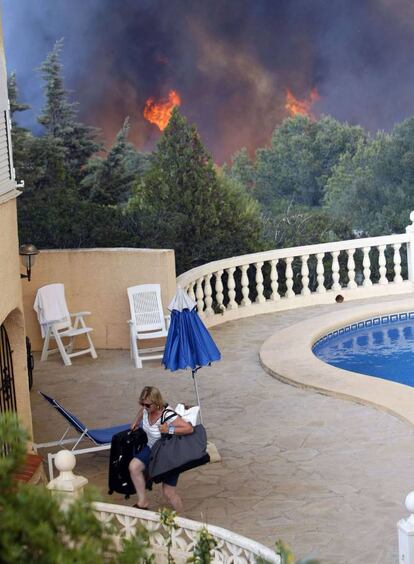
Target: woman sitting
<point x="149" y="416"/>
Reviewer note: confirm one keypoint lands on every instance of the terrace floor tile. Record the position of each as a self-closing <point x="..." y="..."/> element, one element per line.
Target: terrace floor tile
<point x="326" y="475"/>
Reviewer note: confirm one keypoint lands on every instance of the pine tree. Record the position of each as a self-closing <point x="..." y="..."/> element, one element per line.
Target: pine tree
<point x="15" y="105"/>
<point x="242" y="169"/>
<point x="48" y="207"/>
<point x="20" y="135"/>
<point x="189" y="208"/>
<point x="75" y="141"/>
<point x="109" y="181"/>
<point x="301" y="159"/>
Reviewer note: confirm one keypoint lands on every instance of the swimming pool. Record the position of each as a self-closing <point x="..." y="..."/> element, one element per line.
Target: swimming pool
<point x="381" y="346"/>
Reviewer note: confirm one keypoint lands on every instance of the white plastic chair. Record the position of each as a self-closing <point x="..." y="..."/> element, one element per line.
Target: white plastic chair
<point x="147" y="321"/>
<point x="56" y="323"/>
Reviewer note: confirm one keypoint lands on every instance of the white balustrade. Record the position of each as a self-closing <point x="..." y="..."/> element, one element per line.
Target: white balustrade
<point x="124" y="522"/>
<point x="305" y="275"/>
<point x="335" y="271"/>
<point x="190" y="292"/>
<point x="219" y="289"/>
<point x="231" y="547"/>
<point x="320" y="271"/>
<point x="245" y="285"/>
<point x="289" y="278"/>
<point x="351" y="269"/>
<point x="366" y="263"/>
<point x="67" y="487"/>
<point x="199" y="295"/>
<point x="231" y="285"/>
<point x="382" y="265"/>
<point x="274" y="281"/>
<point x="208" y="300"/>
<point x="406" y="533"/>
<point x="259" y="283"/>
<point x="306" y="271"/>
<point x="397" y="263"/>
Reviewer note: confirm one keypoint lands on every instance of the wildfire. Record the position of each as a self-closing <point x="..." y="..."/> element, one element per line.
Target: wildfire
<point x="293" y="106"/>
<point x="159" y="112"/>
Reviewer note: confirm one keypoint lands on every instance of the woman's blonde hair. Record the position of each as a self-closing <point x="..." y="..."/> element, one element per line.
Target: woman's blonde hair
<point x="152" y="394"/>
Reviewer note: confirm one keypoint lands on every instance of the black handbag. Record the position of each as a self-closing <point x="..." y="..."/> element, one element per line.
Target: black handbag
<point x="178" y="453"/>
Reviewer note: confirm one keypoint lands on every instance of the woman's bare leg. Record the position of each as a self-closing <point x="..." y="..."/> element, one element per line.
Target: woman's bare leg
<point x="136" y="470"/>
<point x="170" y="493"/>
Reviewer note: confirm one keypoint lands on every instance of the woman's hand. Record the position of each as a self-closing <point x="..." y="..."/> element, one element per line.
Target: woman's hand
<point x="163" y="428"/>
<point x="137" y="421"/>
<point x="181" y="427"/>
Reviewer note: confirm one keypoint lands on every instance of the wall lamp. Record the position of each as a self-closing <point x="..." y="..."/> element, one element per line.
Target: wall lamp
<point x="28" y="253"/>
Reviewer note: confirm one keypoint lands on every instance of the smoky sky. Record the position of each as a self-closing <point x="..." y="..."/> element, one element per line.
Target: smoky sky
<point x="231" y="61"/>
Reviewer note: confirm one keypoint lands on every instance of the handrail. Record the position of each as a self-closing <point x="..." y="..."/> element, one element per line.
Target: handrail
<point x="293" y="277"/>
<point x="288" y="252"/>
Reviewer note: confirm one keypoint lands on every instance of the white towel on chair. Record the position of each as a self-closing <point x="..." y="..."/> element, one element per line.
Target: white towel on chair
<point x="50" y="305"/>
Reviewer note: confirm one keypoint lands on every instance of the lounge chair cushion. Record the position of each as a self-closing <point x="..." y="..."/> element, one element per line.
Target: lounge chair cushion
<point x="104" y="436"/>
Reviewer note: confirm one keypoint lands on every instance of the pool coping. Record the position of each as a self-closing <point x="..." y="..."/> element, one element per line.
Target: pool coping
<point x="287" y="355"/>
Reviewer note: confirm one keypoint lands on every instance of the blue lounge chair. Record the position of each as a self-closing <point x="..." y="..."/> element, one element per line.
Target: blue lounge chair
<point x="101" y="438"/>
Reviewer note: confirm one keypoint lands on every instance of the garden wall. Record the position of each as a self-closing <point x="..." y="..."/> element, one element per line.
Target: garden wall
<point x="96" y="280"/>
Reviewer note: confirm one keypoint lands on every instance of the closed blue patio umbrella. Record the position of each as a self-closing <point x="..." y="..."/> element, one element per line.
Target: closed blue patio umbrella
<point x="189" y="344"/>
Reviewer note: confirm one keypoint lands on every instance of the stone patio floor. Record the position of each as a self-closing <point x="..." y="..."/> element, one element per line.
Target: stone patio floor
<point x="326" y="475"/>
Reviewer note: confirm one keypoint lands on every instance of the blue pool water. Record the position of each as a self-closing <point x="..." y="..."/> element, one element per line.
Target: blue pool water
<point x="382" y="346"/>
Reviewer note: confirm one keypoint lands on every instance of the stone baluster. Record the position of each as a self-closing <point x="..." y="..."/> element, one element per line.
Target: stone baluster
<point x="260" y="299"/>
<point x="397" y="263"/>
<point x="335" y="271"/>
<point x="320" y="272"/>
<point x="67" y="487"/>
<point x="410" y="248"/>
<point x="382" y="265"/>
<point x="351" y="269"/>
<point x="406" y="533"/>
<point x="199" y="294"/>
<point x="289" y="278"/>
<point x="274" y="281"/>
<point x="190" y="292"/>
<point x="366" y="263"/>
<point x="305" y="275"/>
<point x="219" y="290"/>
<point x="231" y="285"/>
<point x="208" y="299"/>
<point x="246" y="301"/>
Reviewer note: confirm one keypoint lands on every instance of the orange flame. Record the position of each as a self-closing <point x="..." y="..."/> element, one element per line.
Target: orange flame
<point x="295" y="107"/>
<point x="160" y="112"/>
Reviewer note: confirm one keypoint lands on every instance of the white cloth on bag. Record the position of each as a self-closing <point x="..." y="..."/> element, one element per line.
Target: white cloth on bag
<point x="50" y="305"/>
<point x="191" y="415"/>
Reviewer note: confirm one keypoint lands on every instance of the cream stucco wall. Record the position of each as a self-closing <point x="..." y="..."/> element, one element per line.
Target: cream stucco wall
<point x="96" y="280"/>
<point x="11" y="306"/>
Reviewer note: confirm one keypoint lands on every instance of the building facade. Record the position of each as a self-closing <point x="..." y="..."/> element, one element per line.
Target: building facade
<point x="14" y="388"/>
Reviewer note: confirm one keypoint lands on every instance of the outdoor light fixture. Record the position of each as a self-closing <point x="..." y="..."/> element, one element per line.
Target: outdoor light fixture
<point x="28" y="253"/>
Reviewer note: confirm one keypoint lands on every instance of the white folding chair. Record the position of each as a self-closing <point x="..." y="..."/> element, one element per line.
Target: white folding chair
<point x="147" y="321"/>
<point x="56" y="323"/>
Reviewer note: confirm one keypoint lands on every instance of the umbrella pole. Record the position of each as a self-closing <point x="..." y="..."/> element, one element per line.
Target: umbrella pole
<point x="196" y="391"/>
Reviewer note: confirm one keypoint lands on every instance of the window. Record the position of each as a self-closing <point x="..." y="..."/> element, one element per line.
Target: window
<point x="7" y="180"/>
<point x="7" y="176"/>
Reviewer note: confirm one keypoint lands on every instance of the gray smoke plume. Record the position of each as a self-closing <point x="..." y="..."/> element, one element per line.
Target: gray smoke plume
<point x="231" y="61"/>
